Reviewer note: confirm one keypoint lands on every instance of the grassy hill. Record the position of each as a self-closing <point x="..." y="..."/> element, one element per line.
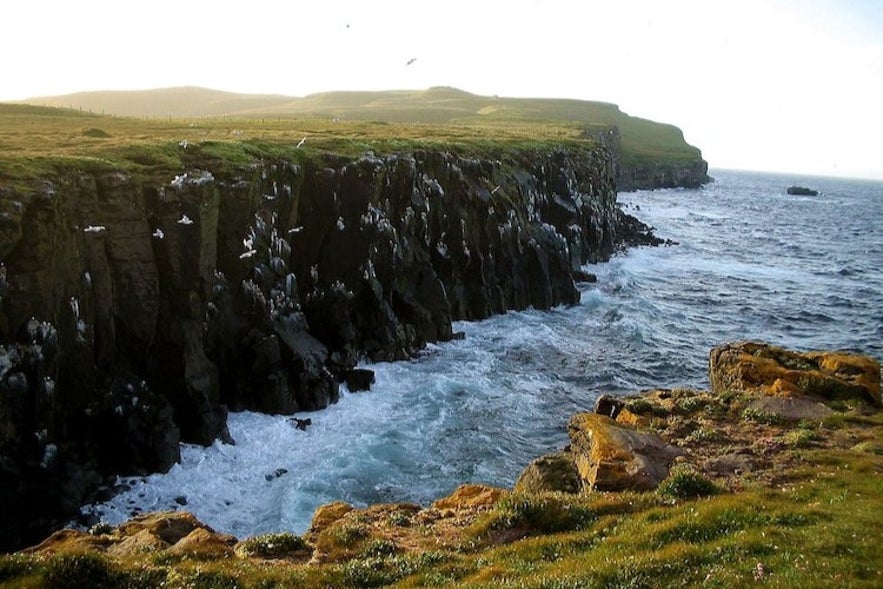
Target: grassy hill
<point x="641" y="139"/>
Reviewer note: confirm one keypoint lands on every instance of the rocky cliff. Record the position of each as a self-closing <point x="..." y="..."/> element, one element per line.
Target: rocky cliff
<point x="648" y="166"/>
<point x="662" y="174"/>
<point x="136" y="310"/>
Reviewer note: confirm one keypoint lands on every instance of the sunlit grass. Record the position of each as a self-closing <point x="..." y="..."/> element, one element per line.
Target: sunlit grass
<point x="821" y="529"/>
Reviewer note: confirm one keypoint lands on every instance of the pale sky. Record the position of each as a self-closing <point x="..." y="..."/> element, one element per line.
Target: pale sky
<point x="788" y="85"/>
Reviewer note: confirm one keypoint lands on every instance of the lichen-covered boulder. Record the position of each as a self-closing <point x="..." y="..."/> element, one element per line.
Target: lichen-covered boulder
<point x="614" y="457"/>
<point x="761" y="368"/>
<point x="551" y="472"/>
<point x="466" y="496"/>
<point x="326" y="515"/>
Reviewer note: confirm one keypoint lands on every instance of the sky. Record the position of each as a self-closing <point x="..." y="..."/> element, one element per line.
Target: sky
<point x="790" y="85"/>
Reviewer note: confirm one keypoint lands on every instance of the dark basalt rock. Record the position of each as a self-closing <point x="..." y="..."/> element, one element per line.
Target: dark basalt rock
<point x="257" y="288"/>
<point x="359" y="379"/>
<point x="802" y="191"/>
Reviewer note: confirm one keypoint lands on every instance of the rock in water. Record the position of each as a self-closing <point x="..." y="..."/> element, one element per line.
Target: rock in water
<point x="802" y="191"/>
<point x="359" y="379"/>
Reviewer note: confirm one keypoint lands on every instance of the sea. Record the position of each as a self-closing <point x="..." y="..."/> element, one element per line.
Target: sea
<point x="750" y="262"/>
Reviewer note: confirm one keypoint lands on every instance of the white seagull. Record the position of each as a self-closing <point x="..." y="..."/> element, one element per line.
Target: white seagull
<point x="301" y="142"/>
<point x="94" y="229"/>
<point x="185" y="220"/>
<point x="158" y="233"/>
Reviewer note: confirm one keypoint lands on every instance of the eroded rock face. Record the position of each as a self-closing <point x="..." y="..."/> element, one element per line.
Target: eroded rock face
<point x="611" y="456"/>
<point x="764" y="369"/>
<point x="257" y="288"/>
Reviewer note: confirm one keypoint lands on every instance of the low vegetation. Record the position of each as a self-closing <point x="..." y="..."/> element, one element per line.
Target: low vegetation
<point x="165" y="131"/>
<point x="805" y="514"/>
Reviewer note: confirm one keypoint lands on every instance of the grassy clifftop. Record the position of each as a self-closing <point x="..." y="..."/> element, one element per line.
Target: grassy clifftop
<point x="35" y="140"/>
<point x="641" y="139"/>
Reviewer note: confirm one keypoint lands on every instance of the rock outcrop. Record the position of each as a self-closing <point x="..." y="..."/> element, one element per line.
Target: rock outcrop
<point x="136" y="311"/>
<point x="611" y="456"/>
<point x="650" y="175"/>
<point x="801" y="191"/>
<point x="764" y="369"/>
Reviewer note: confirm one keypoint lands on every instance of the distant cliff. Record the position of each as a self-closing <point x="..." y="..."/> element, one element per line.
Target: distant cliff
<point x="651" y="155"/>
<point x="135" y="311"/>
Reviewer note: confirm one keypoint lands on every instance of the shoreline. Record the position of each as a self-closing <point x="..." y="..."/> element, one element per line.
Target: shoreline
<point x="787" y="444"/>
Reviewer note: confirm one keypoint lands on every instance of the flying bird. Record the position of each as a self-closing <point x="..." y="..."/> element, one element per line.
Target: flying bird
<point x="158" y="233"/>
<point x="185" y="220"/>
<point x="94" y="229"/>
<point x="410" y="61"/>
<point x="301" y="142"/>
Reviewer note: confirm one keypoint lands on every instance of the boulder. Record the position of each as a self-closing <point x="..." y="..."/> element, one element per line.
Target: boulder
<point x="615" y="457"/>
<point x="551" y="472"/>
<point x="168" y="526"/>
<point x="466" y="496"/>
<point x="764" y="369"/>
<point x="326" y="515"/>
<point x="203" y="543"/>
<point x="140" y="542"/>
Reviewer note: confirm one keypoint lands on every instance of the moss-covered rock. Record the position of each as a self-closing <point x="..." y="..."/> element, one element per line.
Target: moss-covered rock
<point x="764" y="369"/>
<point x="551" y="472"/>
<point x="615" y="457"/>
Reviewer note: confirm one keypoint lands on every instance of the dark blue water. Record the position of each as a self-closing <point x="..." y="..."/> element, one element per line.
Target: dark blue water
<point x="752" y="263"/>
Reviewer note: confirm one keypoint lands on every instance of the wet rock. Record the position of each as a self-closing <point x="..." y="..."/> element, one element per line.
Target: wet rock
<point x="583" y="276"/>
<point x="609" y="405"/>
<point x="765" y="369"/>
<point x="802" y="191"/>
<point x="359" y="379"/>
<point x="276" y="474"/>
<point x="615" y="457"/>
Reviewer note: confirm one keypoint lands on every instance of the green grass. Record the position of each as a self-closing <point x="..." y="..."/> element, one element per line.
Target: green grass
<point x="142" y="130"/>
<point x="820" y="528"/>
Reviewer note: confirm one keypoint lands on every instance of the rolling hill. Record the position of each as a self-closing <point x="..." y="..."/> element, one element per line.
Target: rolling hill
<point x="640" y="138"/>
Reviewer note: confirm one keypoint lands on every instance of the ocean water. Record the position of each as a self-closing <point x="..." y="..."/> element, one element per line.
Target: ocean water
<point x="751" y="263"/>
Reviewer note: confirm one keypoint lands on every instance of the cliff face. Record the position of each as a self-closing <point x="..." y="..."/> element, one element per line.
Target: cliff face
<point x="134" y="312"/>
<point x="662" y="174"/>
<point x="652" y="172"/>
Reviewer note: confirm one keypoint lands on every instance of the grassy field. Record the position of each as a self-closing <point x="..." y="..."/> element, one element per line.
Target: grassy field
<point x="99" y="124"/>
<point x="36" y="140"/>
